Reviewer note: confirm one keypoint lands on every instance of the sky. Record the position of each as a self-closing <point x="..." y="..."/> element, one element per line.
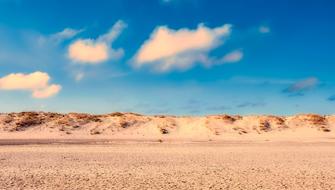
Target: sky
<point x="180" y="57"/>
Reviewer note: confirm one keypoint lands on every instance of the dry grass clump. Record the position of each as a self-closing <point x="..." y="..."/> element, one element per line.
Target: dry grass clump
<point x="240" y="130"/>
<point x="167" y="126"/>
<point x="95" y="132"/>
<point x="160" y="116"/>
<point x="25" y="120"/>
<point x="264" y="125"/>
<point x="75" y="126"/>
<point x="75" y="120"/>
<point x="8" y="120"/>
<point x="324" y="129"/>
<point x="277" y="121"/>
<point x="164" y="131"/>
<point x="229" y="118"/>
<point x="116" y="114"/>
<point x="85" y="118"/>
<point x="315" y="119"/>
<point x="126" y="124"/>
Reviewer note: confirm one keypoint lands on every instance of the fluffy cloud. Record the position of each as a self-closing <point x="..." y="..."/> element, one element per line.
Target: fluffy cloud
<point x="88" y="51"/>
<point x="301" y="86"/>
<point x="181" y="49"/>
<point x="46" y="92"/>
<point x="95" y="51"/>
<point x="37" y="83"/>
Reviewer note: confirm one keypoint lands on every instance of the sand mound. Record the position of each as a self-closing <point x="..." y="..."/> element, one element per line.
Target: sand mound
<point x="132" y="125"/>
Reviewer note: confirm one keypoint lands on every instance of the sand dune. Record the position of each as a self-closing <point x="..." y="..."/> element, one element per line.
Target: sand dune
<point x="41" y="125"/>
<point x="82" y="151"/>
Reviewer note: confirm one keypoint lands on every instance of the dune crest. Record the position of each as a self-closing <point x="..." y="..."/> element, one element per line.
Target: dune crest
<point x="136" y="126"/>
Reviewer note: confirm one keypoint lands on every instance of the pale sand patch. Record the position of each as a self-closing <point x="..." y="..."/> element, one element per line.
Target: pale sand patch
<point x="234" y="165"/>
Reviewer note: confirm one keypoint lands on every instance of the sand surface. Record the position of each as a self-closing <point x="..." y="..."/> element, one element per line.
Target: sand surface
<point x="226" y="165"/>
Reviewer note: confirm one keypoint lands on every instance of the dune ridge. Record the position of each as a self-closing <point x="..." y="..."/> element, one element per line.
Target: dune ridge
<point x="136" y="126"/>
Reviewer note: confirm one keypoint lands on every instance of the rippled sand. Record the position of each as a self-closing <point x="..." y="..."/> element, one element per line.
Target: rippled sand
<point x="239" y="165"/>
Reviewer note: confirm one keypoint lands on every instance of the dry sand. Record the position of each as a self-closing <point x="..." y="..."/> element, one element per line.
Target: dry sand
<point x="212" y="165"/>
<point x="122" y="151"/>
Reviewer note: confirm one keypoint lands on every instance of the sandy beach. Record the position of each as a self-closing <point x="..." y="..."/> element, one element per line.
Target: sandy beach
<point x="129" y="165"/>
<point x="40" y="150"/>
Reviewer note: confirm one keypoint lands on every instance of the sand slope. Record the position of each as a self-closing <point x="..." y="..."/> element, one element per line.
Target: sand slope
<point x="41" y="125"/>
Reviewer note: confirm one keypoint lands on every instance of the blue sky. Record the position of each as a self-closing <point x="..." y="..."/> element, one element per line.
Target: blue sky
<point x="183" y="57"/>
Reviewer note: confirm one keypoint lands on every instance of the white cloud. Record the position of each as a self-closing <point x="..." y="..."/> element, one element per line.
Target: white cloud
<point x="46" y="92"/>
<point x="22" y="81"/>
<point x="95" y="51"/>
<point x="88" y="51"/>
<point x="165" y="42"/>
<point x="264" y="29"/>
<point x="233" y="57"/>
<point x="67" y="33"/>
<point x="180" y="49"/>
<point x="37" y="83"/>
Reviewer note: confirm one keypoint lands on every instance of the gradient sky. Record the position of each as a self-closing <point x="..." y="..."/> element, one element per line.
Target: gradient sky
<point x="184" y="57"/>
